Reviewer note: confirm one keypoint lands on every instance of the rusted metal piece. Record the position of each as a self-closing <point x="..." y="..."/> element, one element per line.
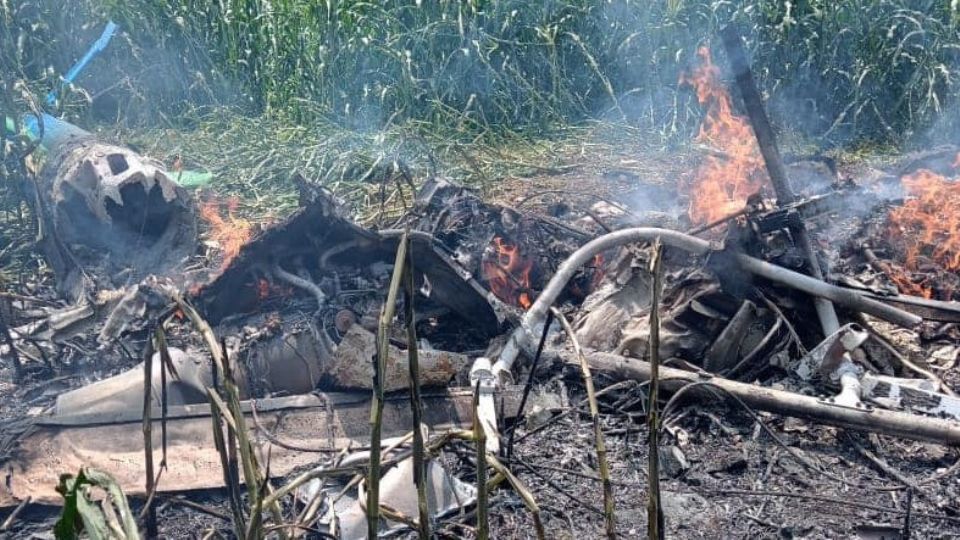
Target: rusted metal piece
<point x="352" y="364"/>
<point x="113" y="213"/>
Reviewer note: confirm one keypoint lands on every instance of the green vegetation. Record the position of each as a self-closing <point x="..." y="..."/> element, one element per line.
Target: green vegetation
<point x="95" y="504"/>
<point x="877" y="69"/>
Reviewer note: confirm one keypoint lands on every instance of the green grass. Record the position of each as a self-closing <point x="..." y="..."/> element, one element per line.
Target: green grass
<point x="256" y="157"/>
<point x="858" y="69"/>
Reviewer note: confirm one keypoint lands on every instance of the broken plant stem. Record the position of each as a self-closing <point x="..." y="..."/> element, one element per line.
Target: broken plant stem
<point x="908" y="484"/>
<point x="559" y="489"/>
<point x="232" y="412"/>
<point x="654" y="509"/>
<point x="608" y="503"/>
<point x="12" y="518"/>
<point x="216" y="352"/>
<point x="151" y="514"/>
<point x="521" y="490"/>
<point x="251" y="472"/>
<point x="230" y="479"/>
<point x="480" y="436"/>
<point x="416" y="405"/>
<point x="376" y="406"/>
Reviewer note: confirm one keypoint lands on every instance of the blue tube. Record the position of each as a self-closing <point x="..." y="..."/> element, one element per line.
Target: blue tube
<point x="98" y="45"/>
<point x="56" y="132"/>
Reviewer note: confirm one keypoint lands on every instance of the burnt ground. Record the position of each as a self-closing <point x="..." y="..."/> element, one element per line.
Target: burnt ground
<point x="733" y="479"/>
<point x="737" y="482"/>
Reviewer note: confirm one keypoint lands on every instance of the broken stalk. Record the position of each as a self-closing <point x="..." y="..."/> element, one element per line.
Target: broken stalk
<point x="229" y="479"/>
<point x="654" y="509"/>
<point x="251" y="472"/>
<point x="232" y="413"/>
<point x="151" y="514"/>
<point x="376" y="406"/>
<point x="12" y="518"/>
<point x="416" y="405"/>
<point x="608" y="503"/>
<point x="521" y="490"/>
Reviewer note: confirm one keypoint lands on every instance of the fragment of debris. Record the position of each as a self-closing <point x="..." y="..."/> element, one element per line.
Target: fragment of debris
<point x="280" y="343"/>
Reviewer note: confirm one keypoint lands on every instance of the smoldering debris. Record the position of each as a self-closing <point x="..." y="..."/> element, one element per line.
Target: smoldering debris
<point x="112" y="215"/>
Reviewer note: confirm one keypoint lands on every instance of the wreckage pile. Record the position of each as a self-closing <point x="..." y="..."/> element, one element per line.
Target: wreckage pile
<point x="281" y="375"/>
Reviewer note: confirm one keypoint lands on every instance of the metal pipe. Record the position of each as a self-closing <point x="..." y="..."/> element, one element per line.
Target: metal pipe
<point x="767" y="141"/>
<point x="532" y="322"/>
<point x="898" y="424"/>
<point x="847" y="298"/>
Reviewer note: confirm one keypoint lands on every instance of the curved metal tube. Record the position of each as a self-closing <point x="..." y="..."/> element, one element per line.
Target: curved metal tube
<point x="532" y="322"/>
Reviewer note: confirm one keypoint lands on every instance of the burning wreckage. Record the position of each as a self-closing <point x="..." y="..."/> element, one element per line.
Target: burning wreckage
<point x="287" y="345"/>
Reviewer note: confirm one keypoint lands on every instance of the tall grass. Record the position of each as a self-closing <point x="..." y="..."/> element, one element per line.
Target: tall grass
<point x="880" y="69"/>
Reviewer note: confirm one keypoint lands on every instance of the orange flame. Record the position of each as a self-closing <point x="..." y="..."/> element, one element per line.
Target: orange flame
<point x="722" y="183"/>
<point x="926" y="228"/>
<point x="267" y="289"/>
<point x="231" y="233"/>
<point x="263" y="289"/>
<point x="508" y="274"/>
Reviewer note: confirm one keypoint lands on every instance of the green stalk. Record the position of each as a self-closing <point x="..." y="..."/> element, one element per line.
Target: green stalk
<point x="416" y="405"/>
<point x="608" y="502"/>
<point x="376" y="406"/>
<point x="151" y="514"/>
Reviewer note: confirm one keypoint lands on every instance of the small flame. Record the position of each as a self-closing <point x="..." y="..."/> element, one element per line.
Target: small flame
<point x="926" y="228"/>
<point x="598" y="273"/>
<point x="263" y="289"/>
<point x="231" y="233"/>
<point x="956" y="161"/>
<point x="508" y="274"/>
<point x="267" y="289"/>
<point x="722" y="183"/>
